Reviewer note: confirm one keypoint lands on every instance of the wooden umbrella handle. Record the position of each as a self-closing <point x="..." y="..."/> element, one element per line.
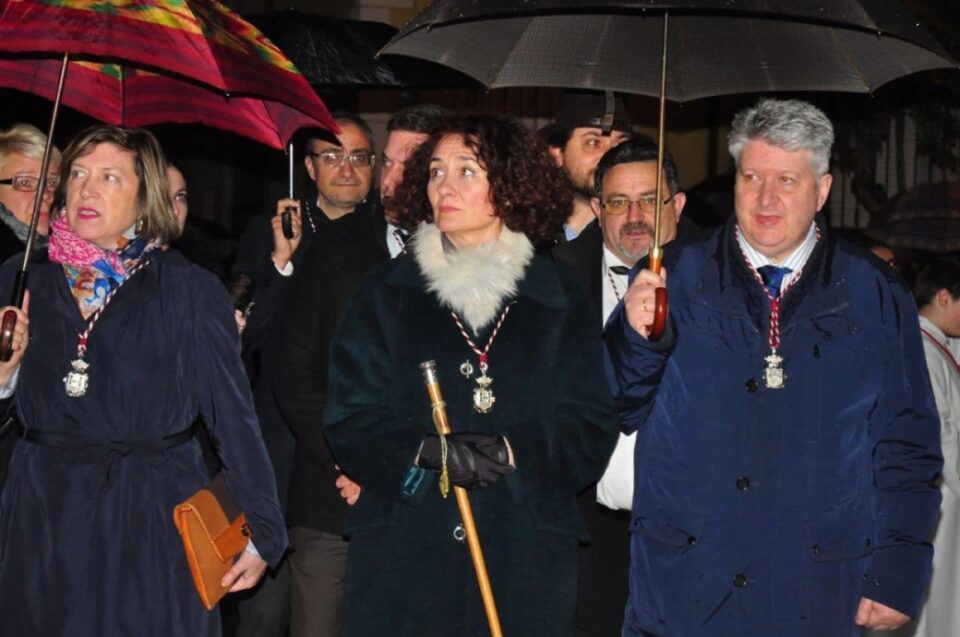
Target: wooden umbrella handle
<point x="662" y="305"/>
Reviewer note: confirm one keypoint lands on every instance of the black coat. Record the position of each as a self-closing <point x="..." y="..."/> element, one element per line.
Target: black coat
<point x="10" y="246"/>
<point x="407" y="575"/>
<point x="261" y="338"/>
<point x="349" y="248"/>
<point x="583" y="258"/>
<point x="605" y="557"/>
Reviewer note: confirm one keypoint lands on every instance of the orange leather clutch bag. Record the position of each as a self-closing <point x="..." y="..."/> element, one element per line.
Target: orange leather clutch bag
<point x="214" y="533"/>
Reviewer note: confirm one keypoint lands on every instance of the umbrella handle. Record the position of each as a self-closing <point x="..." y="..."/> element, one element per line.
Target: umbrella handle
<point x="6" y="335"/>
<point x="9" y="323"/>
<point x="661" y="306"/>
<point x="661" y="309"/>
<point x="286" y="221"/>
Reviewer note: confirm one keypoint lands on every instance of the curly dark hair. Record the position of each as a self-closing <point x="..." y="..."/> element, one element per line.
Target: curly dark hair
<point x="527" y="189"/>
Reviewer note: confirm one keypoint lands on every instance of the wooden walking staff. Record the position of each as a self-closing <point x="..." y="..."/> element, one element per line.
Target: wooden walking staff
<point x="661" y="306"/>
<point x="463" y="502"/>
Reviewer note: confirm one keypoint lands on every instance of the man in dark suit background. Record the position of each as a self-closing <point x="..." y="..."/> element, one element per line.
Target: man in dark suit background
<point x="341" y="169"/>
<point x="320" y="494"/>
<point x="624" y="203"/>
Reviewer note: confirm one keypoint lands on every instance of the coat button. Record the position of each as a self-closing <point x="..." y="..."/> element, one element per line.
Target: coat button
<point x="739" y="580"/>
<point x="692" y="540"/>
<point x="743" y="483"/>
<point x="753" y="385"/>
<point x="816" y="549"/>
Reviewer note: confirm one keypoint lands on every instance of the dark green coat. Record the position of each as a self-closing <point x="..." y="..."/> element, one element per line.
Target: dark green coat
<point x="406" y="574"/>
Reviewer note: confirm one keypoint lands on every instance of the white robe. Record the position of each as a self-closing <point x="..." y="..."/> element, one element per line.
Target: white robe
<point x="940" y="615"/>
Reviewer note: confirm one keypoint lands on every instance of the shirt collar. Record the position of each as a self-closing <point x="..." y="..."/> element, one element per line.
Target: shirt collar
<point x="795" y="261"/>
<point x="610" y="259"/>
<point x="934" y="331"/>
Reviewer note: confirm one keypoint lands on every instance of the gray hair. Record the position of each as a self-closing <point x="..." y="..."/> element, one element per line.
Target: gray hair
<point x="791" y="125"/>
<point x="26" y="140"/>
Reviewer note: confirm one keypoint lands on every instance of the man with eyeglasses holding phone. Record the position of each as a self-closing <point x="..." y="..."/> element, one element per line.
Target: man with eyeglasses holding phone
<point x="272" y="255"/>
<point x="624" y="203"/>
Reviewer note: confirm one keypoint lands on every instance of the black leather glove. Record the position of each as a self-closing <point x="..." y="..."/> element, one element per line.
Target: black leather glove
<point x="473" y="460"/>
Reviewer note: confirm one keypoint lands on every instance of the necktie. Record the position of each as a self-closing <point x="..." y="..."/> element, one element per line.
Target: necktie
<point x="620" y="269"/>
<point x="772" y="278"/>
<point x="401" y="238"/>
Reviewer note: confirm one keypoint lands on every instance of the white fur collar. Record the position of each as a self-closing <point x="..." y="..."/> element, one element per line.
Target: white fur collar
<point x="473" y="282"/>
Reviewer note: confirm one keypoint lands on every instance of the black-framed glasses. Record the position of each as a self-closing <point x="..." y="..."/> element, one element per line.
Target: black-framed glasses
<point x="334" y="158"/>
<point x="24" y="183"/>
<point x="620" y="205"/>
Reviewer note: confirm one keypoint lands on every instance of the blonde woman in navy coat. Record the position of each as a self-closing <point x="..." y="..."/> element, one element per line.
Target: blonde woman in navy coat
<point x="87" y="542"/>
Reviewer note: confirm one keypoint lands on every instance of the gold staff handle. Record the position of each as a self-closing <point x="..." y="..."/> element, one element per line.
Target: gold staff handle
<point x="463" y="502"/>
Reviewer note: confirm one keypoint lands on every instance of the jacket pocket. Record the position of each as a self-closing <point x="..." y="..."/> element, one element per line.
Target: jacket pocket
<point x="836" y="539"/>
<point x="672" y="529"/>
<point x="666" y="572"/>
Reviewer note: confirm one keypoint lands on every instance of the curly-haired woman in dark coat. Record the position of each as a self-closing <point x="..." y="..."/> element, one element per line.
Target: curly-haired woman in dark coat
<point x="519" y="361"/>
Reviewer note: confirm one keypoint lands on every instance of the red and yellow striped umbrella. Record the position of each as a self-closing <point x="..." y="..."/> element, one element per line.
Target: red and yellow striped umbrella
<point x="153" y="61"/>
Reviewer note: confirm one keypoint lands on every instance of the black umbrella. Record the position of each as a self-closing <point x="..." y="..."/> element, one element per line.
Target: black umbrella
<point x="340" y="52"/>
<point x="715" y="47"/>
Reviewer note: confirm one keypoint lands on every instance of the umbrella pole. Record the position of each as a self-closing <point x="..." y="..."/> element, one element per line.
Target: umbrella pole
<point x="661" y="306"/>
<point x="20" y="283"/>
<point x="290" y="170"/>
<point x="463" y="502"/>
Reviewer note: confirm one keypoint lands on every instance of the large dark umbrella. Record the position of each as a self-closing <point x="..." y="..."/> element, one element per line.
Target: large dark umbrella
<point x="712" y="47"/>
<point x="715" y="47"/>
<point x="341" y="52"/>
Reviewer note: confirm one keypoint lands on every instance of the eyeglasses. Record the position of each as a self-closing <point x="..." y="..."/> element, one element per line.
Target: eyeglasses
<point x="334" y="158"/>
<point x="29" y="184"/>
<point x="620" y="205"/>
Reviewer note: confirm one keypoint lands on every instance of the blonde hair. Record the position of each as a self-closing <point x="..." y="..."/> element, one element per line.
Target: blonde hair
<point x="26" y="140"/>
<point x="156" y="216"/>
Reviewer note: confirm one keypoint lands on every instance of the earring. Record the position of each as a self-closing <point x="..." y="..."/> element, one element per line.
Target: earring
<point x="137" y="227"/>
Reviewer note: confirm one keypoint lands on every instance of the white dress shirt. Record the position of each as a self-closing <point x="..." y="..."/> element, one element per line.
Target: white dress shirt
<point x="615" y="488"/>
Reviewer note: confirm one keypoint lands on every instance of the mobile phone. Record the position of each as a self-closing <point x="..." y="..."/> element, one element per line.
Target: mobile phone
<point x="286" y="221"/>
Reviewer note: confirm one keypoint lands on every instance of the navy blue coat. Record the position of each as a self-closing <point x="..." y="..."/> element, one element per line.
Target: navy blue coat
<point x="763" y="512"/>
<point x="87" y="541"/>
<point x="406" y="574"/>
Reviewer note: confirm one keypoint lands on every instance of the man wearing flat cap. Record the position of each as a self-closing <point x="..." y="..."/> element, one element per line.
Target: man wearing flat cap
<point x="587" y="126"/>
